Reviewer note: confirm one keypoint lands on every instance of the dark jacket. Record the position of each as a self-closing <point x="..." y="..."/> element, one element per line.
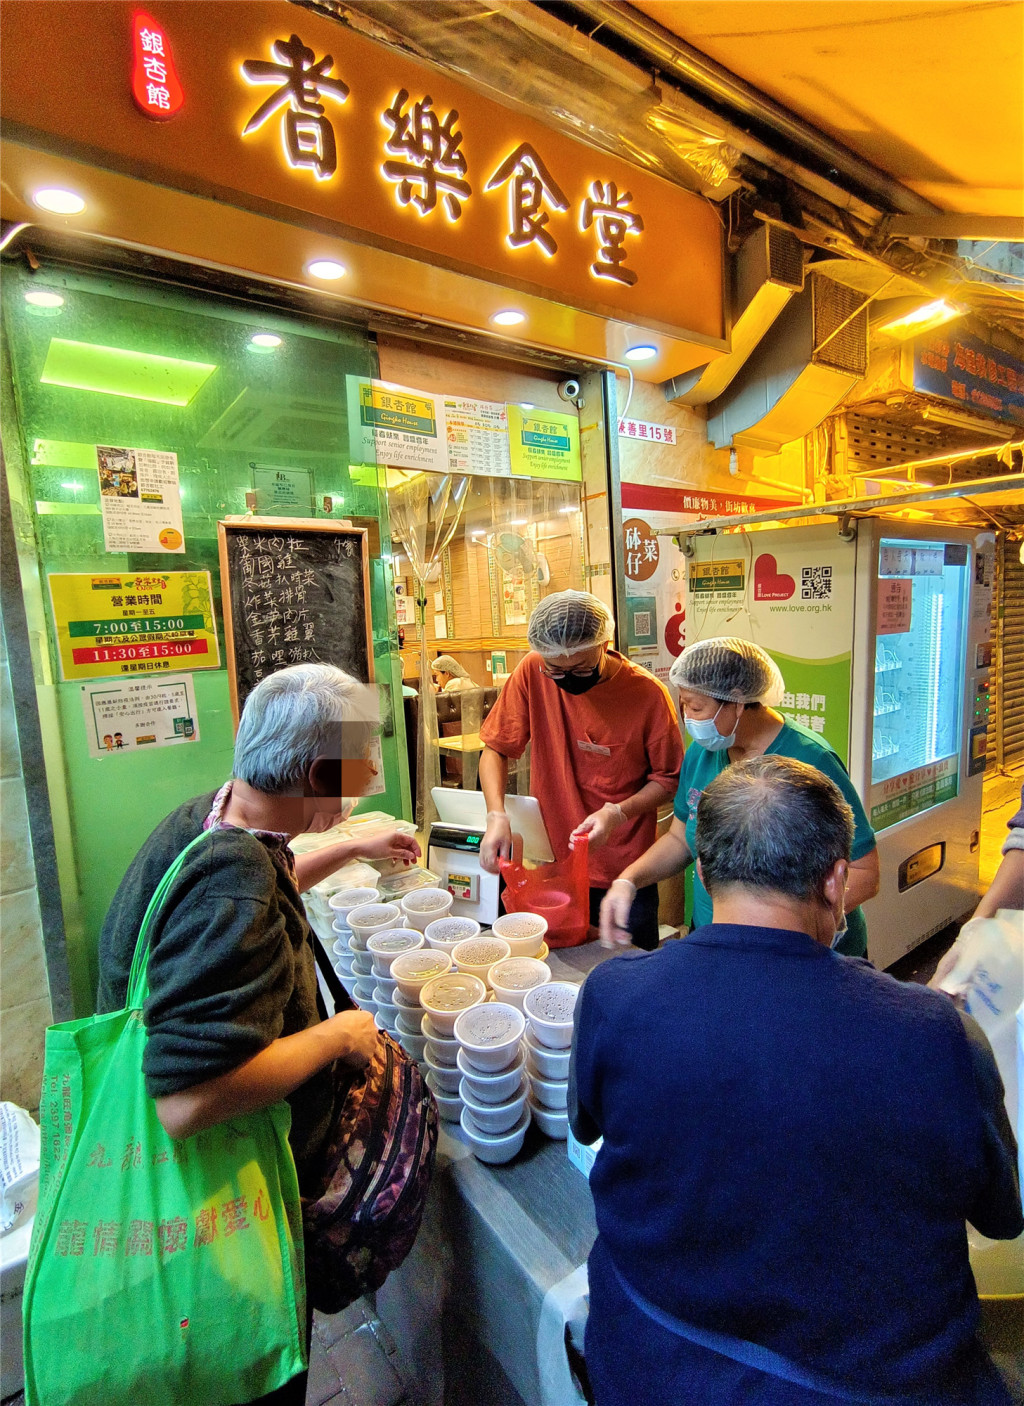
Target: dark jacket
<point x="792" y="1144"/>
<point x="231" y="967"/>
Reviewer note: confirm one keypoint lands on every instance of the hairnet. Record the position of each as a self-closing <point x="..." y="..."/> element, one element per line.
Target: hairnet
<point x="445" y="664"/>
<point x="729" y="669"/>
<point x="569" y="621"/>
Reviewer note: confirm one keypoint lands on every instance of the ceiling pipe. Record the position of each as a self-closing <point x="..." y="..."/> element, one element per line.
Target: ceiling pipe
<point x="667" y="52"/>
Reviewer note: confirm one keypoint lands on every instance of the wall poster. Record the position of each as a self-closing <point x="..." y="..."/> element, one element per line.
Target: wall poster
<point x="130" y="717"/>
<point x="140" y="500"/>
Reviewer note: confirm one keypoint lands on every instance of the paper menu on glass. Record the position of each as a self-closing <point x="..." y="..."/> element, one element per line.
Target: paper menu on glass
<point x="140" y="500"/>
<point x="477" y="432"/>
<point x="125" y="717"/>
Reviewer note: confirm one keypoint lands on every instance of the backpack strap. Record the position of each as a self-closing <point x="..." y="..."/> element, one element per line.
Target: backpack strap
<point x="342" y="1000"/>
<point x="138" y="988"/>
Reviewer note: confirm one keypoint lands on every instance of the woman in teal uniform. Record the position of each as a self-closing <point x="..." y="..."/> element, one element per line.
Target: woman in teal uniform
<point x="727" y="687"/>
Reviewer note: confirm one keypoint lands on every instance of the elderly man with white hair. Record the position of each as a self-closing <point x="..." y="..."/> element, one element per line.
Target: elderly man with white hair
<point x="605" y="749"/>
<point x="232" y="1015"/>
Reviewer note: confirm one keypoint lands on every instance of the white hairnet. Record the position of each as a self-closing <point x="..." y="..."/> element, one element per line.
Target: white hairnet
<point x="568" y="622"/>
<point x="445" y="664"/>
<point x="729" y="669"/>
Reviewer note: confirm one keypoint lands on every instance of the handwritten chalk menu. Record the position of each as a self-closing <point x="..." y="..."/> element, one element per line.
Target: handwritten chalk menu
<point x="293" y="593"/>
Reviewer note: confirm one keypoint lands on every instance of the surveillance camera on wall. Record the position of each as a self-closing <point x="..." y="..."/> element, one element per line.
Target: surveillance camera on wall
<point x="570" y="389"/>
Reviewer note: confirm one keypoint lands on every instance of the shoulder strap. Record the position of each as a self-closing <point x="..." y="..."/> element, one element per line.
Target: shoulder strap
<point x="137" y="985"/>
<point x="342" y="1000"/>
<point x="749" y="1354"/>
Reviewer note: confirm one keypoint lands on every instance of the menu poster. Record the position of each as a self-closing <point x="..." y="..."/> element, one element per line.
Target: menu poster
<point x="395" y="426"/>
<point x="130" y="717"/>
<point x="477" y="432"/>
<point x="147" y="622"/>
<point x="140" y="500"/>
<point x="545" y="444"/>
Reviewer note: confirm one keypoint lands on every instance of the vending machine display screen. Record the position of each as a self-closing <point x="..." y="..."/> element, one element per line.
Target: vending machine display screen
<point x="919" y="648"/>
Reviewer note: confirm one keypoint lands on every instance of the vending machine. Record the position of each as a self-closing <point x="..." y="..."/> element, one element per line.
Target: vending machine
<point x="882" y="637"/>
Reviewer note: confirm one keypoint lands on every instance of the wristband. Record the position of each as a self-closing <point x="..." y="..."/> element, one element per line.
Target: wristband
<point x="629" y="884"/>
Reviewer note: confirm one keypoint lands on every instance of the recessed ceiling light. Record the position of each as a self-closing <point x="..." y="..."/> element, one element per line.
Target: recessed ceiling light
<point x="43" y="298"/>
<point x="328" y="269"/>
<point x="642" y="353"/>
<point x="510" y="317"/>
<point x="265" y="340"/>
<point x="59" y="202"/>
<point x="527" y="405"/>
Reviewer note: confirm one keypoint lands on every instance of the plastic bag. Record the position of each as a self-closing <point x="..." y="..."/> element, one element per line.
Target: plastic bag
<point x="19" y="1166"/>
<point x="989" y="974"/>
<point x="559" y="892"/>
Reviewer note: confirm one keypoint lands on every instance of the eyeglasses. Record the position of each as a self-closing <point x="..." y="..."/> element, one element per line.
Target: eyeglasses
<point x="581" y="672"/>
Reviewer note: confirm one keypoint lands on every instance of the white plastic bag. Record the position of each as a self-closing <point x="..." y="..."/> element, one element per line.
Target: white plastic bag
<point x="19" y="1166"/>
<point x="989" y="975"/>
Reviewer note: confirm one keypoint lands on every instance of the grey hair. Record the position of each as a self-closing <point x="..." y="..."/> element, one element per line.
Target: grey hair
<point x="772" y="823"/>
<point x="296" y="715"/>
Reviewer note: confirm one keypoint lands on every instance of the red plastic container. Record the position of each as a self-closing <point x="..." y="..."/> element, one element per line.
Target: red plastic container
<point x="559" y="892"/>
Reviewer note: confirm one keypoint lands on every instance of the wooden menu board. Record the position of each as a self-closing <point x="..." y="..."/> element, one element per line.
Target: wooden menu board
<point x="293" y="591"/>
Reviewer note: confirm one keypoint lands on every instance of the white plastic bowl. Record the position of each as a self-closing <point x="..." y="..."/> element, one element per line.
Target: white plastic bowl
<point x="491" y="1088"/>
<point x="385" y="946"/>
<point x="477" y="955"/>
<point x="494" y="1117"/>
<point x="545" y="1062"/>
<point x="448" y="1105"/>
<point x="413" y="1045"/>
<point x="447" y="1080"/>
<point x="511" y="978"/>
<point x="552" y="1093"/>
<point x="423" y="906"/>
<point x="387" y="985"/>
<point x="384" y="1021"/>
<point x="446" y="933"/>
<point x="521" y="944"/>
<point x="340" y="948"/>
<point x="374" y="917"/>
<point x="365" y="1003"/>
<point x="490" y="1035"/>
<point x="407" y="1023"/>
<point x="363" y="990"/>
<point x="441" y="1050"/>
<point x="362" y="966"/>
<point x="412" y="1008"/>
<point x="412" y="970"/>
<point x="446" y="997"/>
<point x="551" y="1122"/>
<point x="495" y="1147"/>
<point x="342" y="902"/>
<point x="384" y="1001"/>
<point x="549" y="1009"/>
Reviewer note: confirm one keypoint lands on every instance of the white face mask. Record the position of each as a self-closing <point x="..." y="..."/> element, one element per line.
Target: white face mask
<point x="704" y="731"/>
<point x="840" y="933"/>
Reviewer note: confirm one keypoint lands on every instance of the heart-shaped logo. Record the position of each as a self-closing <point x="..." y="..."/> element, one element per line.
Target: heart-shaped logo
<point x="769" y="584"/>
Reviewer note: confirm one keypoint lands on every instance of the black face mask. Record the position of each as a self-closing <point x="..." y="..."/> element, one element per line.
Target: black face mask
<point x="579" y="683"/>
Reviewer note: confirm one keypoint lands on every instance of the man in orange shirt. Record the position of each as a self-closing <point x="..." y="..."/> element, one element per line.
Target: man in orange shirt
<point x="605" y="748"/>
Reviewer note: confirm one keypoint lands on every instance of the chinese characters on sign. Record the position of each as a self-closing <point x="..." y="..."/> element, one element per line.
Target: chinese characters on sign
<point x="306" y="130"/>
<point x="138" y="623"/>
<point x="155" y="87"/>
<point x="980" y="377"/>
<point x="423" y="159"/>
<point x="805" y="709"/>
<point x="124" y="717"/>
<point x="642" y="550"/>
<point x="140" y="500"/>
<point x="644" y="429"/>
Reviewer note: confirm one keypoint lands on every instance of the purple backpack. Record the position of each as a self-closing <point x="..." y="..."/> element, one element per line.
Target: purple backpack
<point x="378" y="1161"/>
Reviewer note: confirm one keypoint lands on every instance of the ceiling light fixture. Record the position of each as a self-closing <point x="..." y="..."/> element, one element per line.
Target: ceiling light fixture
<point x="265" y="341"/>
<point x="58" y="202"/>
<point x="83" y="366"/>
<point x="922" y="318"/>
<point x="527" y="405"/>
<point x="642" y="353"/>
<point x="43" y="298"/>
<point x="327" y="269"/>
<point x="508" y="317"/>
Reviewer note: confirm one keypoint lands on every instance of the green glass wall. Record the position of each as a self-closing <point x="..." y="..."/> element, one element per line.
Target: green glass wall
<point x="272" y="408"/>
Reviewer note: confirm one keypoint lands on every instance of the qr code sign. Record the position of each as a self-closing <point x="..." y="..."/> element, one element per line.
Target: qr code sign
<point x="642" y="622"/>
<point x="815" y="582"/>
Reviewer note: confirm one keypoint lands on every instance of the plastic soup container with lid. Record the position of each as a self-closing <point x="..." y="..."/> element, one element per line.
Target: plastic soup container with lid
<point x="478" y="955"/>
<point x="385" y="946"/>
<point x="524" y="932"/>
<point x="412" y="970"/>
<point x="549" y="1010"/>
<point x="423" y="906"/>
<point x="445" y="997"/>
<point x="490" y="1035"/>
<point x="511" y="978"/>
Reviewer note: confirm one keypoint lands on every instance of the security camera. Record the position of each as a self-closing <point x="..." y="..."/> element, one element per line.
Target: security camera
<point x="570" y="389"/>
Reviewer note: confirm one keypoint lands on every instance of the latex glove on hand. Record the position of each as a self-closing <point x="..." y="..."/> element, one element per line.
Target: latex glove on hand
<point x="390" y="844"/>
<point x="615" y="909"/>
<point x="599" y="826"/>
<point x="497" y="841"/>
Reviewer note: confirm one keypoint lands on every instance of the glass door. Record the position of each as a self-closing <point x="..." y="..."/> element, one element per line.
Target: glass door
<point x="919" y="648"/>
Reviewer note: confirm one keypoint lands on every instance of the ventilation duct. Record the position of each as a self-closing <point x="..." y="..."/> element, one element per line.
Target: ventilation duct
<point x="766" y="272"/>
<point x="817" y="353"/>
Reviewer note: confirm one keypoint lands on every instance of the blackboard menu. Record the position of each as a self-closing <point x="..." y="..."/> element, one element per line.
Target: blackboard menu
<point x="293" y="592"/>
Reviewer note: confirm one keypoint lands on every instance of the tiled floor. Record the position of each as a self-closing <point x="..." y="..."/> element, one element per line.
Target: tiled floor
<point x="353" y="1362"/>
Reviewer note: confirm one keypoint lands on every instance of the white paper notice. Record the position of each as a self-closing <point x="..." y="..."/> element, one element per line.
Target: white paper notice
<point x="377" y="785"/>
<point x="145" y="713"/>
<point x="139" y="499"/>
<point x="477" y="437"/>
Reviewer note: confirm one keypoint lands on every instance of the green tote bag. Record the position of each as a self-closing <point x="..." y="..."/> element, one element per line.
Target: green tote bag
<point x="160" y="1273"/>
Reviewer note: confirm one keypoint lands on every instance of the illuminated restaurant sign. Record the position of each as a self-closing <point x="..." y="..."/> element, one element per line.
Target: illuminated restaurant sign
<point x="295" y="115"/>
<point x="971" y="373"/>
